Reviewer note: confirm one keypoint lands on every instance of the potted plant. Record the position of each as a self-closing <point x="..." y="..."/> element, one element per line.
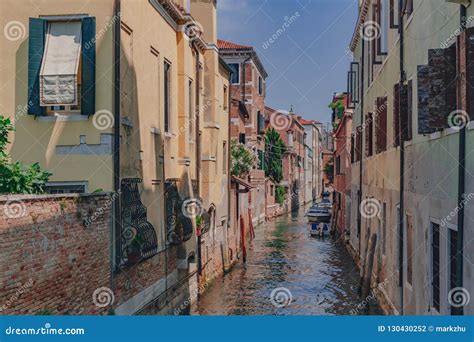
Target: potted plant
<point x="134" y="254"/>
<point x="199" y="224"/>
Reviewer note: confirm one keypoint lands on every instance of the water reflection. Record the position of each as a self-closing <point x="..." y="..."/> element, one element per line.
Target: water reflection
<point x="319" y="273"/>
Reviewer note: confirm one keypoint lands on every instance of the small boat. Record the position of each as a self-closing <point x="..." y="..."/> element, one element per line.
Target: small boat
<point x="319" y="229"/>
<point x="325" y="203"/>
<point x="318" y="214"/>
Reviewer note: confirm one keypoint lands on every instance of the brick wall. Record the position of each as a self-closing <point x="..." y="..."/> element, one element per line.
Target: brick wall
<point x="53" y="259"/>
<point x="49" y="258"/>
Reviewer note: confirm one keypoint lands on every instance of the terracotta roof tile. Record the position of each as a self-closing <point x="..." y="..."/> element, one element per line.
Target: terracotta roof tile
<point x="224" y="44"/>
<point x="308" y="122"/>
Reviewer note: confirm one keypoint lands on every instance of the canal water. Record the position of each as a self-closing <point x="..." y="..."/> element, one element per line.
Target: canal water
<point x="288" y="273"/>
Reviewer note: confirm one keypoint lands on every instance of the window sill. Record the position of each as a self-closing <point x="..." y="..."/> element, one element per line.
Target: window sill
<point x="212" y="125"/>
<point x="63" y="118"/>
<point x="169" y="135"/>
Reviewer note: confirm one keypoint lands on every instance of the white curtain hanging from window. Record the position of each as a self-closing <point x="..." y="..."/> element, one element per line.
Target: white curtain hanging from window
<point x="58" y="76"/>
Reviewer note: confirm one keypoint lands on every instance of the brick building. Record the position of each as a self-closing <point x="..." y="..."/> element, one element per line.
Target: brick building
<point x="342" y="165"/>
<point x="247" y="105"/>
<point x="292" y="133"/>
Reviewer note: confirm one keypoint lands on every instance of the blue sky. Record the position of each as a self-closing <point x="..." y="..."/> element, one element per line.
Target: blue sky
<point x="308" y="62"/>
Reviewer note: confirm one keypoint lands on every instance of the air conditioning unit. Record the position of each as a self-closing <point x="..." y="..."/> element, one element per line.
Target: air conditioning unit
<point x="460" y="2"/>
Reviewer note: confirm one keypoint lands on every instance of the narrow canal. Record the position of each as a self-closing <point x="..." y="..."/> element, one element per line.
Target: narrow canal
<point x="287" y="273"/>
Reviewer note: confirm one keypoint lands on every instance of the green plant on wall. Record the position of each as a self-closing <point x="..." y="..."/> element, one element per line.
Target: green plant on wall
<point x="280" y="194"/>
<point x="274" y="149"/>
<point x="242" y="159"/>
<point x="329" y="168"/>
<point x="17" y="178"/>
<point x="338" y="107"/>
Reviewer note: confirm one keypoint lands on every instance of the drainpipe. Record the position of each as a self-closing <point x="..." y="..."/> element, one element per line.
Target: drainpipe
<point x="197" y="118"/>
<point x="359" y="195"/>
<point x="461" y="191"/>
<point x="198" y="149"/>
<point x="402" y="160"/>
<point x="229" y="176"/>
<point x="116" y="142"/>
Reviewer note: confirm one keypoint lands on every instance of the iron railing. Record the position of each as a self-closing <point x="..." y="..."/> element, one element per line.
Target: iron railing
<point x="138" y="239"/>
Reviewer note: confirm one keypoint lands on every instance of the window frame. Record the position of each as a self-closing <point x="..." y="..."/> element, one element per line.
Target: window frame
<point x="450" y="283"/>
<point x="49" y="110"/>
<point x="225" y="97"/>
<point x="374" y="43"/>
<point x="380" y="12"/>
<point x="84" y="184"/>
<point x="238" y="73"/>
<point x="431" y="265"/>
<point x="224" y="157"/>
<point x="409" y="250"/>
<point x="394" y="14"/>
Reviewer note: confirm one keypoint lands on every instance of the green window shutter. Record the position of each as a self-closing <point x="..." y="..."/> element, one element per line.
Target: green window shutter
<point x="36" y="40"/>
<point x="88" y="66"/>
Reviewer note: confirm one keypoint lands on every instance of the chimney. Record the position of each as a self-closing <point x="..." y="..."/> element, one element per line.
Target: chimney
<point x="205" y="12"/>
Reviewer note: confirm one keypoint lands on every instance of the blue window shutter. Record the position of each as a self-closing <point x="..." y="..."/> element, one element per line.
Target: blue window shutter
<point x="37" y="31"/>
<point x="88" y="66"/>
